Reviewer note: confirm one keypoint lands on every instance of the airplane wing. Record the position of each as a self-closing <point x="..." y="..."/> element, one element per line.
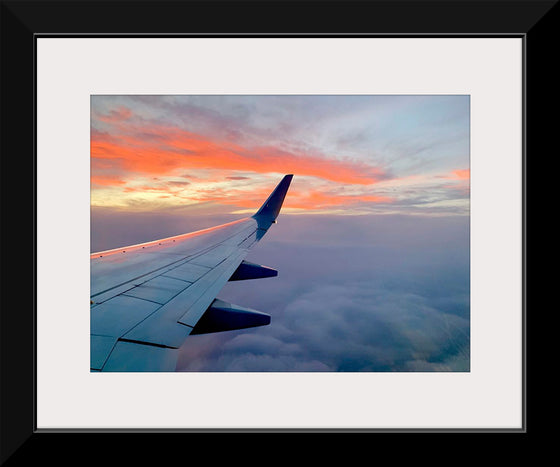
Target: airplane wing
<point x="147" y="299"/>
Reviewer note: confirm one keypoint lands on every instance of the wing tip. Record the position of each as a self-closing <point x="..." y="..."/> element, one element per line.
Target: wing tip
<point x="271" y="207"/>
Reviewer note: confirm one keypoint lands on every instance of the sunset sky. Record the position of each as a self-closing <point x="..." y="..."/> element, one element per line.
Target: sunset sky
<point x="350" y="154"/>
<point x="372" y="244"/>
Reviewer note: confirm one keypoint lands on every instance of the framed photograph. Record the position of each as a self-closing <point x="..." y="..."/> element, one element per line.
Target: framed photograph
<point x="281" y="231"/>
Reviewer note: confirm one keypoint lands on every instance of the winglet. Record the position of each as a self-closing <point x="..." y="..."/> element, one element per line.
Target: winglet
<point x="271" y="207"/>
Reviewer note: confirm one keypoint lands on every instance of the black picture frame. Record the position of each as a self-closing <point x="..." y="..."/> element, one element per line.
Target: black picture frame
<point x="22" y="22"/>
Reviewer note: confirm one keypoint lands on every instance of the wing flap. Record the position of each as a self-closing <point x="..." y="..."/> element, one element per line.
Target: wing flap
<point x="188" y="272"/>
<point x="159" y="290"/>
<point x="131" y="356"/>
<point x="100" y="348"/>
<point x="215" y="256"/>
<point x="116" y="316"/>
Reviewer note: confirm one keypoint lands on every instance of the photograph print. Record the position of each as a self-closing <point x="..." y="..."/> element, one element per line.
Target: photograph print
<point x="280" y="233"/>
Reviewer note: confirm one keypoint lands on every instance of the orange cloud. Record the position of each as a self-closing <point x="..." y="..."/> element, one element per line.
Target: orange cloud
<point x="141" y="151"/>
<point x="313" y="199"/>
<point x="106" y="180"/>
<point x="460" y="174"/>
<point x="145" y="188"/>
<point x="161" y="150"/>
<point x="318" y="200"/>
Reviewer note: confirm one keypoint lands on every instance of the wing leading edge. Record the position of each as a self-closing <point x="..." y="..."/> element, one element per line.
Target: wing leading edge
<point x="147" y="299"/>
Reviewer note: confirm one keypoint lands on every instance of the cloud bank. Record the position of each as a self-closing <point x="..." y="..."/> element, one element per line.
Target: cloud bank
<point x="389" y="297"/>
